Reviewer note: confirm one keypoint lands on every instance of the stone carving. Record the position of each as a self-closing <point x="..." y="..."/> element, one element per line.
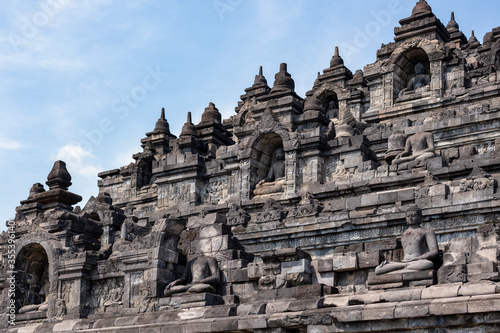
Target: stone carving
<point x="124" y="237"/>
<point x="395" y="145"/>
<point x="477" y="180"/>
<point x="340" y="172"/>
<point x="237" y="215"/>
<point x="419" y="147"/>
<point x="272" y="278"/>
<point x="58" y="310"/>
<point x="269" y="123"/>
<point x="114" y="296"/>
<point x="308" y="206"/>
<point x="357" y="126"/>
<point x="35" y="189"/>
<point x="271" y="211"/>
<point x="147" y="303"/>
<point x="419" y="246"/>
<point x="474" y="109"/>
<point x="107" y="293"/>
<point x="217" y="189"/>
<point x="201" y="275"/>
<point x="420" y="80"/>
<point x="485" y="148"/>
<point x="174" y="194"/>
<point x="275" y="180"/>
<point x="43" y="294"/>
<point x="424" y="189"/>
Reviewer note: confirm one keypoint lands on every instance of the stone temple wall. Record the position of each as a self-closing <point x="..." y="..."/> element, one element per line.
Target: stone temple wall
<point x="370" y="204"/>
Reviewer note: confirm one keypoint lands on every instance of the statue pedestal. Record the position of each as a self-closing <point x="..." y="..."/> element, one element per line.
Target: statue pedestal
<point x="270" y="188"/>
<point x="402" y="278"/>
<point x="188" y="300"/>
<point x="31" y="315"/>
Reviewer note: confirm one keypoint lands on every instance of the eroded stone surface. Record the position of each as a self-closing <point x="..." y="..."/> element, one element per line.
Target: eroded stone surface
<point x="280" y="217"/>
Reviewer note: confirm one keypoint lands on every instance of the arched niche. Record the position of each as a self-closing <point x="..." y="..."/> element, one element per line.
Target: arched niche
<point x="497" y="61"/>
<point x="330" y="102"/>
<point x="404" y="68"/>
<point x="33" y="276"/>
<point x="262" y="156"/>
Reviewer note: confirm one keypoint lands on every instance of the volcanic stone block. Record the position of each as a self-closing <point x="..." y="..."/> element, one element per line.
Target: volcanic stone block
<point x="413" y="294"/>
<point x="487" y="303"/>
<point x="448" y="306"/>
<point x="305" y="304"/>
<point x="259" y="322"/>
<point x="441" y="291"/>
<point x="209" y="219"/>
<point x="251" y="309"/>
<point x="378" y="311"/>
<point x="482" y="267"/>
<point x="350" y="314"/>
<point x="345" y="262"/>
<point x="369" y="259"/>
<point x="254" y="271"/>
<point x="201" y="299"/>
<point x="385" y="278"/>
<point x="451" y="274"/>
<point x="220" y="311"/>
<point x="325" y="265"/>
<point x="474" y="289"/>
<point x="297" y="266"/>
<point x="225" y="325"/>
<point x="389" y="244"/>
<point x="336" y="301"/>
<point x="277" y="306"/>
<point x="214" y="230"/>
<point x="457" y="251"/>
<point x="412" y="309"/>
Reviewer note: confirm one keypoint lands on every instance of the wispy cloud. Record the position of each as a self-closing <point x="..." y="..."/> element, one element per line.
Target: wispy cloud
<point x="9" y="144"/>
<point x="79" y="160"/>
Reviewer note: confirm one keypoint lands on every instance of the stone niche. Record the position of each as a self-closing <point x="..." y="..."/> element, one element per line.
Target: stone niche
<point x="404" y="74"/>
<point x="32" y="282"/>
<point x="263" y="157"/>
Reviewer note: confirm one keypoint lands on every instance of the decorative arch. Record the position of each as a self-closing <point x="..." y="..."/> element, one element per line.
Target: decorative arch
<point x="50" y="245"/>
<point x="256" y="152"/>
<point x="433" y="50"/>
<point x="329" y="94"/>
<point x="263" y="155"/>
<point x="404" y="67"/>
<point x="269" y="123"/>
<point x="32" y="267"/>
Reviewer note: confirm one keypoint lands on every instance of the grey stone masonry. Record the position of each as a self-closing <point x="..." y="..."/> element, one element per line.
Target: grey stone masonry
<point x="370" y="204"/>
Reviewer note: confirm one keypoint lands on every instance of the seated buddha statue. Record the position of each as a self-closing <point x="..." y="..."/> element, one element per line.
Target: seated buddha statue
<point x="275" y="180"/>
<point x="420" y="246"/>
<point x="420" y="80"/>
<point x="418" y="147"/>
<point x="201" y="275"/>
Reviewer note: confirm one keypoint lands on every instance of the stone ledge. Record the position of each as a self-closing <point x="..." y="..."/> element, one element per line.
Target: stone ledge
<point x="398" y="314"/>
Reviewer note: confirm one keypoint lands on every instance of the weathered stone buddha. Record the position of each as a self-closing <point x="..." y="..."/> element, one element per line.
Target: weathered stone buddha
<point x="418" y="147"/>
<point x="275" y="180"/>
<point x="419" y="245"/>
<point x="201" y="275"/>
<point x="44" y="292"/>
<point x="420" y="80"/>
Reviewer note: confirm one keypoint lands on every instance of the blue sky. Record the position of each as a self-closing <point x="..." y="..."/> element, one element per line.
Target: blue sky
<point x="83" y="81"/>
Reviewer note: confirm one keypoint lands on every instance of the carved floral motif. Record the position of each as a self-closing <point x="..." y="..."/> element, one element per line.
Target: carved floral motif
<point x="271" y="211"/>
<point x="477" y="180"/>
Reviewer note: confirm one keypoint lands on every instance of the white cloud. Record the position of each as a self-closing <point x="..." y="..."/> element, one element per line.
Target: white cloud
<point x="78" y="159"/>
<point x="9" y="144"/>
